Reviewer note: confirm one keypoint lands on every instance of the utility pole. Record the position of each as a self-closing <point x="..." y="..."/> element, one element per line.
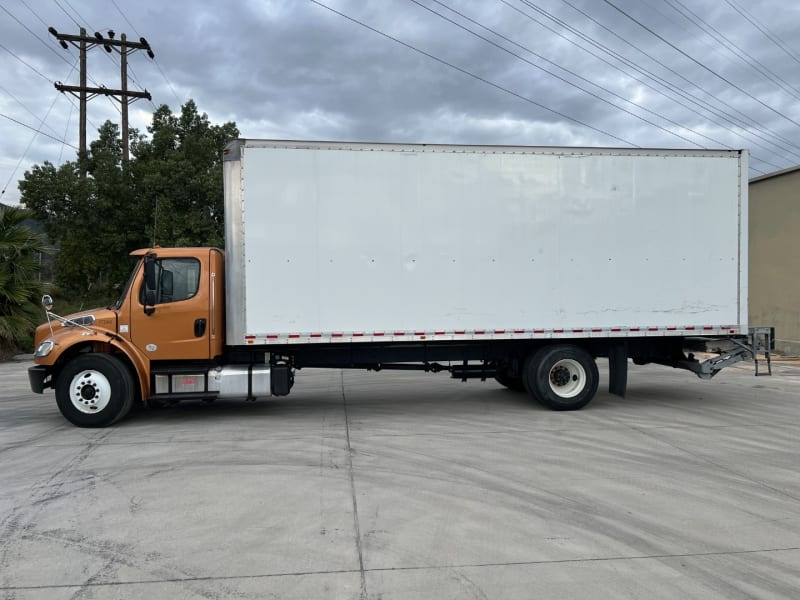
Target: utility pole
<point x="123" y="78"/>
<point x="85" y="93"/>
<point x="82" y="100"/>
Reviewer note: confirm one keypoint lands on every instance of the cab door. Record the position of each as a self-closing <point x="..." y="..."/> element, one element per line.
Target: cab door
<point x="172" y="320"/>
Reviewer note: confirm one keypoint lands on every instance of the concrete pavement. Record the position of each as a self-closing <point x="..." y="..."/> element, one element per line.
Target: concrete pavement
<point x="403" y="485"/>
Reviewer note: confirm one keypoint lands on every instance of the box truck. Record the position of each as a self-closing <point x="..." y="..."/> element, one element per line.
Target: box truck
<point x="522" y="265"/>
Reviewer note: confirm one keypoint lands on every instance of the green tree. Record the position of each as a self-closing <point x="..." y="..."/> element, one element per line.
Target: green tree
<point x="169" y="193"/>
<point x="20" y="289"/>
<point x="179" y="174"/>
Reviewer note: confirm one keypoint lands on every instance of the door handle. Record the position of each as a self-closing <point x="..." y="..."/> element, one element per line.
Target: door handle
<point x="199" y="327"/>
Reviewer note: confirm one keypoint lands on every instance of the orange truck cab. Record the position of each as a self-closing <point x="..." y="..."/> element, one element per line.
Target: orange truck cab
<point x="161" y="339"/>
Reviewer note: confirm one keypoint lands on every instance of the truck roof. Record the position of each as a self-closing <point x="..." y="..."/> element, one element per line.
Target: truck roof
<point x="167" y="252"/>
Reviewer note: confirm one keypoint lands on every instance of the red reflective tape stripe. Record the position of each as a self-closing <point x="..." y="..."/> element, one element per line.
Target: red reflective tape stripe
<point x="635" y="329"/>
<point x="378" y="334"/>
<point x="461" y="332"/>
<point x="616" y="329"/>
<point x="707" y="328"/>
<point x="479" y="332"/>
<point x="399" y="333"/>
<point x="294" y="335"/>
<point x="689" y="328"/>
<point x="558" y="331"/>
<point x="337" y="335"/>
<point x="438" y="333"/>
<point x="499" y="330"/>
<point x="519" y="331"/>
<point x="596" y="330"/>
<point x="249" y="337"/>
<point x="272" y="337"/>
<point x="652" y="329"/>
<point x="671" y="328"/>
<point x="419" y="333"/>
<point x="538" y="331"/>
<point x="316" y="335"/>
<point x="577" y="331"/>
<point x="358" y="335"/>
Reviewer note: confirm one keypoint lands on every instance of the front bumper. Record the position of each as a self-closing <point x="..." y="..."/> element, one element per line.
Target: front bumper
<point x="39" y="378"/>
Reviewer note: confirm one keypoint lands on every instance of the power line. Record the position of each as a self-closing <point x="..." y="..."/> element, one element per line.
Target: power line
<point x="700" y="64"/>
<point x="23" y="105"/>
<point x="44" y="42"/>
<point x="158" y="65"/>
<point x="763" y="29"/>
<point x="64" y="10"/>
<point x="734" y="49"/>
<point x="752" y="131"/>
<point x="473" y="75"/>
<point x="45" y="77"/>
<point x="28" y="148"/>
<point x="27" y="64"/>
<point x="88" y="25"/>
<point x="66" y="129"/>
<point x="169" y="83"/>
<point x="574" y="74"/>
<point x="122" y="46"/>
<point x="38" y="131"/>
<point x="119" y="10"/>
<point x="29" y="30"/>
<point x="34" y="13"/>
<point x="745" y="122"/>
<point x="71" y="100"/>
<point x="72" y="8"/>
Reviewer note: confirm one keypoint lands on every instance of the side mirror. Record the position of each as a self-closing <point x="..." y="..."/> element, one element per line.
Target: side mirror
<point x="150" y="279"/>
<point x="150" y="283"/>
<point x="47" y="302"/>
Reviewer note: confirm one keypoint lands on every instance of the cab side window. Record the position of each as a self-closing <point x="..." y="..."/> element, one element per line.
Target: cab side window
<point x="176" y="279"/>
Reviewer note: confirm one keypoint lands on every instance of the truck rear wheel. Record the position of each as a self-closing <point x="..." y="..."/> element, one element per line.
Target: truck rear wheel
<point x="562" y="377"/>
<point x="94" y="390"/>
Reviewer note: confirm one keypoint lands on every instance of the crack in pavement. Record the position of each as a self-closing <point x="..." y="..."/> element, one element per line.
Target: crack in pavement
<point x="594" y="559"/>
<point x="356" y="525"/>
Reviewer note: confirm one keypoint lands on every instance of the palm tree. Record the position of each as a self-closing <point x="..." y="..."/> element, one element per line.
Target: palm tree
<point x="20" y="289"/>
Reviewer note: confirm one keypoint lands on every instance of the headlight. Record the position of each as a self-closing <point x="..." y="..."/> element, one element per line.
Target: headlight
<point x="44" y="349"/>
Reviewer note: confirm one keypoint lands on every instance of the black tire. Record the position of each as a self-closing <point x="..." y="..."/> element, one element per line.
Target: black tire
<point x="504" y="378"/>
<point x="94" y="390"/>
<point x="562" y="377"/>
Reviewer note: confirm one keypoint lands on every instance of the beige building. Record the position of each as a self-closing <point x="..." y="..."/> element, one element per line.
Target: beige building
<point x="774" y="286"/>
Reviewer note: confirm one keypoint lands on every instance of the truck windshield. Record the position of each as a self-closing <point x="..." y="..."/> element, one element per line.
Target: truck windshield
<point x="124" y="293"/>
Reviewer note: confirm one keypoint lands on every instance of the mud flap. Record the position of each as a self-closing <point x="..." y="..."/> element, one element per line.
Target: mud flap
<point x="618" y="369"/>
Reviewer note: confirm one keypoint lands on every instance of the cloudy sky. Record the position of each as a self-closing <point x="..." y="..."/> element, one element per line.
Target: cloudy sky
<point x="648" y="73"/>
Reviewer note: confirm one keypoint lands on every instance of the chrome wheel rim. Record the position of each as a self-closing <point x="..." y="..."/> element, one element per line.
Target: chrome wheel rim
<point x="90" y="392"/>
<point x="567" y="378"/>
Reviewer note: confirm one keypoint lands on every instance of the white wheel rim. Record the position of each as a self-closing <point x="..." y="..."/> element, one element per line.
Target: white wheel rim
<point x="90" y="392"/>
<point x="567" y="378"/>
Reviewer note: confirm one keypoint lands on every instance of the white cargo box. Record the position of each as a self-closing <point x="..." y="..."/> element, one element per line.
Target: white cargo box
<point x="332" y="242"/>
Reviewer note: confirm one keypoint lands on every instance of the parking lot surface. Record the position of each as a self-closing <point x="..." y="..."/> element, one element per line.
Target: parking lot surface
<point x="408" y="486"/>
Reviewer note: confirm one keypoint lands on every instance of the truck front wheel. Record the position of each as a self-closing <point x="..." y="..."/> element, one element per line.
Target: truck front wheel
<point x="562" y="377"/>
<point x="94" y="390"/>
